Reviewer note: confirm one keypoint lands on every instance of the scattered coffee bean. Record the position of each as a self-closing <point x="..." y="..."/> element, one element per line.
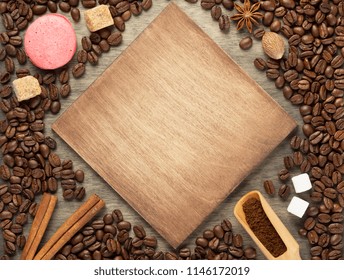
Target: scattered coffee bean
<point x="284" y="192"/>
<point x="283" y="174"/>
<point x="246" y="43"/>
<point x="269" y="187"/>
<point x="224" y="23"/>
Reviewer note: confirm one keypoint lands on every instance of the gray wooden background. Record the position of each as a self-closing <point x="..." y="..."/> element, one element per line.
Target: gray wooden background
<point x="267" y="170"/>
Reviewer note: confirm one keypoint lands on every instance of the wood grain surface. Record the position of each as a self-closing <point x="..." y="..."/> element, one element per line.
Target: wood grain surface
<point x="268" y="169"/>
<point x="162" y="130"/>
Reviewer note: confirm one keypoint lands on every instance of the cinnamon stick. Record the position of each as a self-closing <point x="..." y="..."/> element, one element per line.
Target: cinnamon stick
<point x="70" y="227"/>
<point x="39" y="225"/>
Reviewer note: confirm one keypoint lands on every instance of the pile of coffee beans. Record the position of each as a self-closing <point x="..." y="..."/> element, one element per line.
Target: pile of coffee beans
<point x="101" y="41"/>
<point x="311" y="76"/>
<point x="30" y="166"/>
<point x="110" y="238"/>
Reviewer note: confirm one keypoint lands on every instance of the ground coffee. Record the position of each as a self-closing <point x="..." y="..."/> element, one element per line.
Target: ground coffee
<point x="262" y="227"/>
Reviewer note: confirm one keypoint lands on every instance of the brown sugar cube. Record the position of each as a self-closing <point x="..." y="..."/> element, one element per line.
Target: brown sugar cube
<point x="26" y="88"/>
<point x="98" y="17"/>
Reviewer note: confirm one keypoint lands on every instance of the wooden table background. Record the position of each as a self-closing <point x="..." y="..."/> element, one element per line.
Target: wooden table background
<point x="267" y="170"/>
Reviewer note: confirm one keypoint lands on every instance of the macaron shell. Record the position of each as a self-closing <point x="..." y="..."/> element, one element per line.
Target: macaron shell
<point x="50" y="41"/>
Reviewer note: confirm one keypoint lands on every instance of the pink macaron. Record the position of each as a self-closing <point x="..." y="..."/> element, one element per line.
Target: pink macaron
<point x="50" y="41"/>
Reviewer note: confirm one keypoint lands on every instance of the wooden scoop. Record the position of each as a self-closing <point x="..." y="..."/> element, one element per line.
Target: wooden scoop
<point x="292" y="252"/>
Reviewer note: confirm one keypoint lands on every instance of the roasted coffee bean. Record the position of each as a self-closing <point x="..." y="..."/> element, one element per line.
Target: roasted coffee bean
<point x="335" y="228"/>
<point x="79" y="193"/>
<point x="258" y="33"/>
<point x="218" y="231"/>
<point x="272" y="73"/>
<point x="237" y="240"/>
<point x="295" y="142"/>
<point x="269" y="187"/>
<point x="98" y="224"/>
<point x="283" y="174"/>
<point x="79" y="176"/>
<point x="313" y="237"/>
<point x="284" y="192"/>
<point x="246" y="43"/>
<point x="226" y="225"/>
<point x="54" y="160"/>
<point x="224" y="23"/>
<point x="150" y="241"/>
<point x="260" y="64"/>
<point x="117" y="216"/>
<point x="89" y="3"/>
<point x="216" y="12"/>
<point x="115" y="38"/>
<point x="309" y="223"/>
<point x="297" y="158"/>
<point x="200" y="241"/>
<point x="135" y="8"/>
<point x="208" y="234"/>
<point x="122" y="236"/>
<point x="68" y="194"/>
<point x="5" y="172"/>
<point x="208" y="4"/>
<point x="78" y="70"/>
<point x="139" y="231"/>
<point x="288" y="162"/>
<point x="75" y="14"/>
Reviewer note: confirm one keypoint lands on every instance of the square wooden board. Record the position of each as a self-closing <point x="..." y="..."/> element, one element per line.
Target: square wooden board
<point x="174" y="125"/>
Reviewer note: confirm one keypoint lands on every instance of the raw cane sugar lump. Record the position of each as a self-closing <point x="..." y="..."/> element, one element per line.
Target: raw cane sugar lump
<point x="98" y="18"/>
<point x="26" y="88"/>
<point x="50" y="41"/>
<point x="301" y="183"/>
<point x="297" y="206"/>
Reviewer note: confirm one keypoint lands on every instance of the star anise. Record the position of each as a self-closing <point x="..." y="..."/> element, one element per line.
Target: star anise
<point x="247" y="15"/>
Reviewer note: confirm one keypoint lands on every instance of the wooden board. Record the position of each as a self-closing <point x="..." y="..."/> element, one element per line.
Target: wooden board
<point x="174" y="125"/>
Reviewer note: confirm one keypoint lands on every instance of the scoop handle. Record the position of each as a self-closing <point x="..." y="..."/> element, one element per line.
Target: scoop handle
<point x="291" y="254"/>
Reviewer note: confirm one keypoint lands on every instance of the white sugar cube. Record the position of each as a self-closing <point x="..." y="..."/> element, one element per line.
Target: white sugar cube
<point x="301" y="183"/>
<point x="298" y="206"/>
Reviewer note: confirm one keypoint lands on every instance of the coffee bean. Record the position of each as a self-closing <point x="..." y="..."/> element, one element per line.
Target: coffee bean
<point x="78" y="70"/>
<point x="275" y="26"/>
<point x="5" y="172"/>
<point x="208" y="234"/>
<point x="122" y="236"/>
<point x="258" y="33"/>
<point x="115" y="38"/>
<point x="139" y="231"/>
<point x="117" y="216"/>
<point x="335" y="239"/>
<point x="135" y="8"/>
<point x="218" y="231"/>
<point x="335" y="228"/>
<point x="283" y="174"/>
<point x="216" y="12"/>
<point x="65" y="90"/>
<point x="260" y="64"/>
<point x="226" y="225"/>
<point x="207" y="4"/>
<point x="224" y="23"/>
<point x="89" y="3"/>
<point x="124" y="225"/>
<point x="284" y="192"/>
<point x="288" y="162"/>
<point x="313" y="237"/>
<point x="269" y="187"/>
<point x="295" y="142"/>
<point x="297" y="158"/>
<point x="272" y="73"/>
<point x="246" y="43"/>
